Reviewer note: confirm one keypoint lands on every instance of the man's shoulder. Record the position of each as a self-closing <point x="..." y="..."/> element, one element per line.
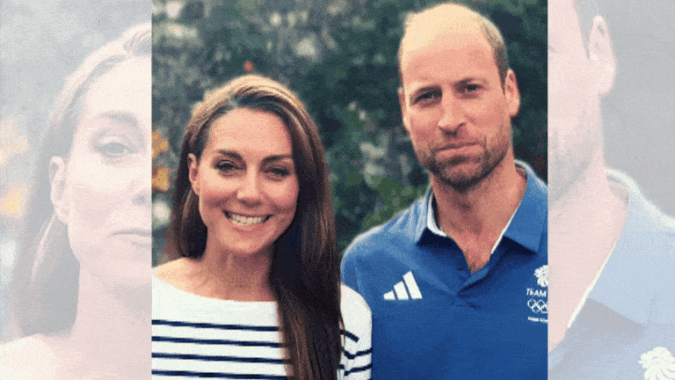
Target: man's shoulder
<point x="645" y="252"/>
<point x="398" y="231"/>
<point x="647" y="228"/>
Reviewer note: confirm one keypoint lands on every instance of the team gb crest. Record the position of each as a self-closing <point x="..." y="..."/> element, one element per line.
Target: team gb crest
<point x="541" y="274"/>
<point x="659" y="364"/>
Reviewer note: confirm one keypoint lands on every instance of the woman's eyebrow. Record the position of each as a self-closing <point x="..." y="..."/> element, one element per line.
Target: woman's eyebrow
<point x="278" y="157"/>
<point x="120" y="117"/>
<point x="267" y="160"/>
<point x="121" y="121"/>
<point x="230" y="153"/>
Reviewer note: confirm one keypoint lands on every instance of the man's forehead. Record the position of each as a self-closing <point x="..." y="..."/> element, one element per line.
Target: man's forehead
<point x="433" y="29"/>
<point x="444" y="37"/>
<point x="457" y="56"/>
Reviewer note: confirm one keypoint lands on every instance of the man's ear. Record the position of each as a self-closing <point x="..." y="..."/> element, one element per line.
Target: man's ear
<point x="601" y="56"/>
<point x="57" y="181"/>
<point x="512" y="93"/>
<point x="404" y="109"/>
<point x="193" y="174"/>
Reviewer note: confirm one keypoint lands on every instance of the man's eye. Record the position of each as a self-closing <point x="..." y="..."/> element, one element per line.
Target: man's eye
<point x="113" y="149"/>
<point x="471" y="87"/>
<point x="427" y="96"/>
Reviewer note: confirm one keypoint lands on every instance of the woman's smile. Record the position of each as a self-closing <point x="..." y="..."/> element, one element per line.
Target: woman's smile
<point x="243" y="220"/>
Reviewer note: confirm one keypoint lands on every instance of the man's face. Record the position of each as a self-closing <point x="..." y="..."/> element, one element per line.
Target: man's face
<point x="574" y="106"/>
<point x="454" y="107"/>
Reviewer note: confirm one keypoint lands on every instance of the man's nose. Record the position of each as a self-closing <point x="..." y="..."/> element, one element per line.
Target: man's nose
<point x="452" y="117"/>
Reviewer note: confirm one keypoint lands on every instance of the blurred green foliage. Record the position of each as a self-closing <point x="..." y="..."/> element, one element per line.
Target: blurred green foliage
<point x="340" y="57"/>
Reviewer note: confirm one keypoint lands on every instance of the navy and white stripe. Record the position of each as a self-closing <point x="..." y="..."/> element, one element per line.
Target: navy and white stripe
<point x="194" y="337"/>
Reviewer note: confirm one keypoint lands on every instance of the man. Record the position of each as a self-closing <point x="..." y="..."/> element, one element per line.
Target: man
<point x="612" y="251"/>
<point x="457" y="283"/>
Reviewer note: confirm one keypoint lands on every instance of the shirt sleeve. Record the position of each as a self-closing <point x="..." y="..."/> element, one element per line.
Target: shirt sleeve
<point x="348" y="269"/>
<point x="357" y="349"/>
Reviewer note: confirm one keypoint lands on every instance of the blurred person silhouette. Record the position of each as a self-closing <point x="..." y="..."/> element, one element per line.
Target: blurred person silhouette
<point x="256" y="293"/>
<point x="81" y="286"/>
<point x="612" y="294"/>
<point x="457" y="282"/>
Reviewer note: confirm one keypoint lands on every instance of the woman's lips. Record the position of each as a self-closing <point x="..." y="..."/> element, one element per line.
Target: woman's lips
<point x="135" y="231"/>
<point x="137" y="236"/>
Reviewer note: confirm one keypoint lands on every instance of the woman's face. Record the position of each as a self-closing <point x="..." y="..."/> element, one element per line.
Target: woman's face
<point x="102" y="191"/>
<point x="246" y="182"/>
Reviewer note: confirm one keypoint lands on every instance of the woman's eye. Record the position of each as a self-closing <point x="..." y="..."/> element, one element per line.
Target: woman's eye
<point x="225" y="166"/>
<point x="280" y="172"/>
<point x="113" y="149"/>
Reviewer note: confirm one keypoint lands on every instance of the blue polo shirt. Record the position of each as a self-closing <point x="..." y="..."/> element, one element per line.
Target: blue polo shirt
<point x="626" y="327"/>
<point x="433" y="318"/>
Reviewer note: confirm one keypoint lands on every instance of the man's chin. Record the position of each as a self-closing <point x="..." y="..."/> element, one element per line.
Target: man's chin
<point x="461" y="174"/>
<point x="458" y="178"/>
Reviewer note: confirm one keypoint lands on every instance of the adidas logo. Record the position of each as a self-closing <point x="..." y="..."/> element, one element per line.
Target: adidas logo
<point x="405" y="289"/>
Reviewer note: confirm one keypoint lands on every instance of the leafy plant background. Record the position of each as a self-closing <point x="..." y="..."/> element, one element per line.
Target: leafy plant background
<point x="340" y="57"/>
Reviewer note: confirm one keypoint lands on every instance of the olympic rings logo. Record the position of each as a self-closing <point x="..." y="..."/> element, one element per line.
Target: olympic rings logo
<point x="538" y="306"/>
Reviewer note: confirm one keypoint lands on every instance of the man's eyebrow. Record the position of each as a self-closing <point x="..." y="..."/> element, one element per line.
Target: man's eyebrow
<point x="423" y="88"/>
<point x="470" y="79"/>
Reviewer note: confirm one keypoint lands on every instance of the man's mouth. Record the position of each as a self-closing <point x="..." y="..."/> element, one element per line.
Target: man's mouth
<point x="243" y="220"/>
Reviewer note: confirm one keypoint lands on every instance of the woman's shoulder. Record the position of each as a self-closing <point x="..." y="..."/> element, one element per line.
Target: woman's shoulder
<point x="27" y="358"/>
<point x="172" y="272"/>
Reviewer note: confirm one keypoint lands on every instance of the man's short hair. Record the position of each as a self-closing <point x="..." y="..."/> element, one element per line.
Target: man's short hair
<point x="492" y="34"/>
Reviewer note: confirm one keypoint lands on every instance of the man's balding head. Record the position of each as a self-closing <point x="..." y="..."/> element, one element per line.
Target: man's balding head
<point x="421" y="28"/>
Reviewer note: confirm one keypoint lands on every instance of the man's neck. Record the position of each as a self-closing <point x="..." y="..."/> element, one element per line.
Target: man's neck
<point x="584" y="225"/>
<point x="476" y="218"/>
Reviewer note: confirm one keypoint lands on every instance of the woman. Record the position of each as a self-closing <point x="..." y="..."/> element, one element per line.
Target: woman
<point x="81" y="280"/>
<point x="257" y="292"/>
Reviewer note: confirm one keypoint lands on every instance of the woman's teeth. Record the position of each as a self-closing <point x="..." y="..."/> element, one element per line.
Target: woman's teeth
<point x="246" y="220"/>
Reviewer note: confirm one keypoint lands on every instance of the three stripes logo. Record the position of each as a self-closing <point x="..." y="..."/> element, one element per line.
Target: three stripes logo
<point x="404" y="290"/>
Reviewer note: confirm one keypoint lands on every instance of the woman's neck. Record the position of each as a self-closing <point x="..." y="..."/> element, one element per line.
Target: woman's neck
<point x="110" y="338"/>
<point x="229" y="276"/>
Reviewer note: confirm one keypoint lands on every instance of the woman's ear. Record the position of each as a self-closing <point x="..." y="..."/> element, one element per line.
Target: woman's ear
<point x="57" y="180"/>
<point x="193" y="173"/>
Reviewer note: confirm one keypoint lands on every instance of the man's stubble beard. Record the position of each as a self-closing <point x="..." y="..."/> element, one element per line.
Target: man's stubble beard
<point x="461" y="181"/>
<point x="569" y="163"/>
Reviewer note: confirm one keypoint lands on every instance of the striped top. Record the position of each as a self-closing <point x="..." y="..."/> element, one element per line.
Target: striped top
<point x="194" y="336"/>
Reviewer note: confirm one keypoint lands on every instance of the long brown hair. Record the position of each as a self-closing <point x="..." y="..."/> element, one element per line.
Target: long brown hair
<point x="43" y="291"/>
<point x="304" y="275"/>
